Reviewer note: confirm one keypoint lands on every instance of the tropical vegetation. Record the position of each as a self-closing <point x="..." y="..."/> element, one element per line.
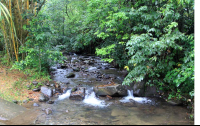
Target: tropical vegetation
<point x="152" y="39"/>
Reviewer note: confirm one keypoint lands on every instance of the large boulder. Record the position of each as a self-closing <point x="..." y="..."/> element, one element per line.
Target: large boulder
<point x="111" y="90"/>
<point x="140" y="89"/>
<point x="47" y="91"/>
<point x="78" y="94"/>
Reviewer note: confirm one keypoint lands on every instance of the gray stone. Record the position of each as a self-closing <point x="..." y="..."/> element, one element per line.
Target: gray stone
<point x="43" y="98"/>
<point x="70" y="75"/>
<point x="142" y="90"/>
<point x="113" y="90"/>
<point x="79" y="94"/>
<point x="25" y="101"/>
<point x="53" y="68"/>
<point x="35" y="83"/>
<point x="63" y="66"/>
<point x="91" y="69"/>
<point x="174" y="102"/>
<point x="48" y="111"/>
<point x="76" y="69"/>
<point x="138" y="89"/>
<point x="10" y="110"/>
<point x="74" y="60"/>
<point x="50" y="102"/>
<point x="151" y="91"/>
<point x="47" y="91"/>
<point x="36" y="105"/>
<point x="36" y="89"/>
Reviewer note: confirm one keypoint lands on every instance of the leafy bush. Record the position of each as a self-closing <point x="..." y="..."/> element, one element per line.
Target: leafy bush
<point x="38" y="47"/>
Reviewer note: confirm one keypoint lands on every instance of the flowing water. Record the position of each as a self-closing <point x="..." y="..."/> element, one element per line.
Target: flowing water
<point x="95" y="110"/>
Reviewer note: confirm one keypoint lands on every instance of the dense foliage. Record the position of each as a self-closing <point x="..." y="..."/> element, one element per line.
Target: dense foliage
<point x="152" y="39"/>
<point x="41" y="54"/>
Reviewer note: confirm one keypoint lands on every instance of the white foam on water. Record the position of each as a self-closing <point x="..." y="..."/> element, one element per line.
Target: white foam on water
<point x="66" y="95"/>
<point x="137" y="99"/>
<point x="91" y="99"/>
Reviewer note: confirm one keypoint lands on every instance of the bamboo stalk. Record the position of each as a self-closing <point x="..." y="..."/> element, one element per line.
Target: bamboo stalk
<point x="12" y="35"/>
<point x="5" y="41"/>
<point x="27" y="5"/>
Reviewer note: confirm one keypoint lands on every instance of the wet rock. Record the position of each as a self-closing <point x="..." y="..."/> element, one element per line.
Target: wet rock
<point x="79" y="94"/>
<point x="74" y="89"/>
<point x="31" y="99"/>
<point x="98" y="79"/>
<point x="142" y="90"/>
<point x="43" y="98"/>
<point x="35" y="83"/>
<point x="48" y="111"/>
<point x="36" y="105"/>
<point x="47" y="91"/>
<point x="58" y="67"/>
<point x="70" y="75"/>
<point x="47" y="84"/>
<point x="64" y="88"/>
<point x="138" y="89"/>
<point x="74" y="61"/>
<point x="63" y="66"/>
<point x="99" y="76"/>
<point x="106" y="76"/>
<point x="105" y="67"/>
<point x="81" y="59"/>
<point x="36" y="89"/>
<point x="76" y="69"/>
<point x="98" y="67"/>
<point x="108" y="97"/>
<point x="92" y="69"/>
<point x="151" y="91"/>
<point x="57" y="95"/>
<point x="53" y="68"/>
<point x="111" y="90"/>
<point x="87" y="61"/>
<point x="50" y="102"/>
<point x="69" y="58"/>
<point x="15" y="101"/>
<point x="52" y="85"/>
<point x="175" y="102"/>
<point x="25" y="101"/>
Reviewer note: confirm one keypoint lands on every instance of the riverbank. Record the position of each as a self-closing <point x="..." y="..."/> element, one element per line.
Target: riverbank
<point x="14" y="86"/>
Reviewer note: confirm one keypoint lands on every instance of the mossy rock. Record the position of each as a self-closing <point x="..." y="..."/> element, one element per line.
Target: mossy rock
<point x="70" y="75"/>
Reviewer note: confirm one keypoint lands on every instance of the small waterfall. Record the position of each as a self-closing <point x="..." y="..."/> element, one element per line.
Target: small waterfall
<point x="92" y="100"/>
<point x="66" y="95"/>
<point x="137" y="99"/>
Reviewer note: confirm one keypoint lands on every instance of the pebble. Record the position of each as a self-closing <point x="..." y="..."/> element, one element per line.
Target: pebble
<point x="48" y="111"/>
<point x="36" y="105"/>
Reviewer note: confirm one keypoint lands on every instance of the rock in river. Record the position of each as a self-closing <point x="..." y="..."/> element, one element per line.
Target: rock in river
<point x="47" y="91"/>
<point x="79" y="94"/>
<point x="70" y="75"/>
<point x="111" y="90"/>
<point x="43" y="98"/>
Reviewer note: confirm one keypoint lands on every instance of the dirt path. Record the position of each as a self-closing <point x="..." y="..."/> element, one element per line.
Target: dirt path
<point x="13" y="87"/>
